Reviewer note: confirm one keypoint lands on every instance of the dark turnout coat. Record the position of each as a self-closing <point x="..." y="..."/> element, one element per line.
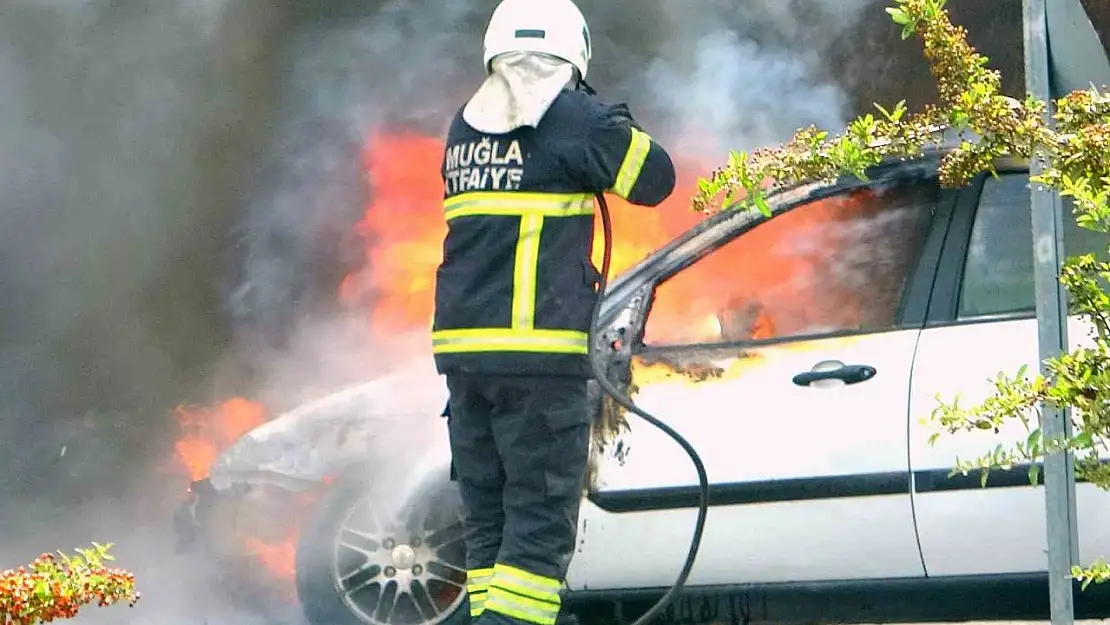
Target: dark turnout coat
<point x="516" y="286"/>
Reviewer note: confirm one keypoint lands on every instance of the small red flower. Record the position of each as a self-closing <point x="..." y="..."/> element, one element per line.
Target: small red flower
<point x="54" y="587"/>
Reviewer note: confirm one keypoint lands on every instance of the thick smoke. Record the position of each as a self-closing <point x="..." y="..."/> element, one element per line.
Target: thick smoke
<point x="124" y="130"/>
<point x="178" y="186"/>
<point x="395" y="67"/>
<point x="734" y="75"/>
<point x="120" y="143"/>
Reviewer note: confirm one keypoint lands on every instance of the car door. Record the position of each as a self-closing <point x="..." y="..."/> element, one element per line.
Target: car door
<point x="784" y="357"/>
<point x="982" y="322"/>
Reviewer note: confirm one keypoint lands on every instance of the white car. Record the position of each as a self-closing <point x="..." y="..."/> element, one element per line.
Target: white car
<point x="800" y="355"/>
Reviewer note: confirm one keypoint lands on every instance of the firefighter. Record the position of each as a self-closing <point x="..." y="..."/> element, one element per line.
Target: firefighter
<point x="523" y="160"/>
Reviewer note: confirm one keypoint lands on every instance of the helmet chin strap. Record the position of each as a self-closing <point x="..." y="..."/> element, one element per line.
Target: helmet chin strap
<point x="585" y="87"/>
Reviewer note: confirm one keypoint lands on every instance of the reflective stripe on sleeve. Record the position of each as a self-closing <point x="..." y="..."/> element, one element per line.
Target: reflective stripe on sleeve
<point x="509" y="340"/>
<point x="633" y="162"/>
<point x="509" y="204"/>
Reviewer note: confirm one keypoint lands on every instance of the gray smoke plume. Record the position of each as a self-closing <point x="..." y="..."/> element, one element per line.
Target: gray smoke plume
<point x="178" y="187"/>
<point x="733" y="75"/>
<point x="123" y="131"/>
<point x="126" y="129"/>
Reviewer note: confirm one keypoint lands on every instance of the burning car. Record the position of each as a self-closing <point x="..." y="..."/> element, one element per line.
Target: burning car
<point x="799" y="354"/>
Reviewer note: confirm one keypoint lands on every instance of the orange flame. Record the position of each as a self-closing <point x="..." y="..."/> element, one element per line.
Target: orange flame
<point x="208" y="432"/>
<point x="739" y="289"/>
<point x="280" y="559"/>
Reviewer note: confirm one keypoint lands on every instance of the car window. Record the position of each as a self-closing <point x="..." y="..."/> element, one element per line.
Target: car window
<point x="998" y="274"/>
<point x="834" y="265"/>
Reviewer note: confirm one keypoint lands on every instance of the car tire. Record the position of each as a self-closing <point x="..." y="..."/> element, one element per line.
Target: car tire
<point x="345" y="569"/>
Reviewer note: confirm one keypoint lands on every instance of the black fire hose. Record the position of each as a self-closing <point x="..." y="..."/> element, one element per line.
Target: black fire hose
<point x="621" y="398"/>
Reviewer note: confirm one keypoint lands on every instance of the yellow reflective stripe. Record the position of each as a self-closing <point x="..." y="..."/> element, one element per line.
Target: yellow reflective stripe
<point x="478" y="579"/>
<point x="477" y="603"/>
<point x="509" y="340"/>
<point x="521" y="336"/>
<point x="477" y="583"/>
<point x="517" y="204"/>
<point x="524" y="583"/>
<point x="513" y="605"/>
<point x="633" y="162"/>
<point x="508" y="571"/>
<point x="525" y="267"/>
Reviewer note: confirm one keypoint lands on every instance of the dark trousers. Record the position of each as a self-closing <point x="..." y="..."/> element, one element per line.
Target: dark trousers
<point x="520" y="446"/>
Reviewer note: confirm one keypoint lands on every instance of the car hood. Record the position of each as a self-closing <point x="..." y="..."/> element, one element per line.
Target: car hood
<point x="395" y="416"/>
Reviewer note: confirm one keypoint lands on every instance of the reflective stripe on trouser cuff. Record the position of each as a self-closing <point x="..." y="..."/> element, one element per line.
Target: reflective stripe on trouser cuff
<point x="477" y="603"/>
<point x="509" y="340"/>
<point x="519" y="203"/>
<point x="477" y="583"/>
<point x="525" y="269"/>
<point x="520" y="607"/>
<point x="633" y="162"/>
<point x="522" y="595"/>
<point x="525" y="584"/>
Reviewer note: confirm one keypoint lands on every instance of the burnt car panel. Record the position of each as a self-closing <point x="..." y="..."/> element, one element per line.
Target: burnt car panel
<point x="354" y="426"/>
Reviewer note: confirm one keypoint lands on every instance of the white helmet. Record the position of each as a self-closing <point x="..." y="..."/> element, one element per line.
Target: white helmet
<point x="554" y="27"/>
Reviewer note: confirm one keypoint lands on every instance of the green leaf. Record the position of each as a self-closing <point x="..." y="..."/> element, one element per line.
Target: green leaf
<point x="1083" y="439"/>
<point x="899" y="16"/>
<point x="1032" y="442"/>
<point x="736" y="158"/>
<point x="1034" y="474"/>
<point x="761" y="204"/>
<point x="899" y="111"/>
<point x="907" y="31"/>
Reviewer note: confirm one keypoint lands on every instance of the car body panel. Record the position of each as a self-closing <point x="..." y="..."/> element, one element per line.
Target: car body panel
<point x="706" y="395"/>
<point x="841" y="442"/>
<point x="843" y="493"/>
<point x="376" y="421"/>
<point x="745" y="544"/>
<point x="964" y="528"/>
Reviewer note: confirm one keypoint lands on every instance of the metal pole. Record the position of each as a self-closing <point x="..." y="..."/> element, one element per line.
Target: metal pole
<point x="1047" y="220"/>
